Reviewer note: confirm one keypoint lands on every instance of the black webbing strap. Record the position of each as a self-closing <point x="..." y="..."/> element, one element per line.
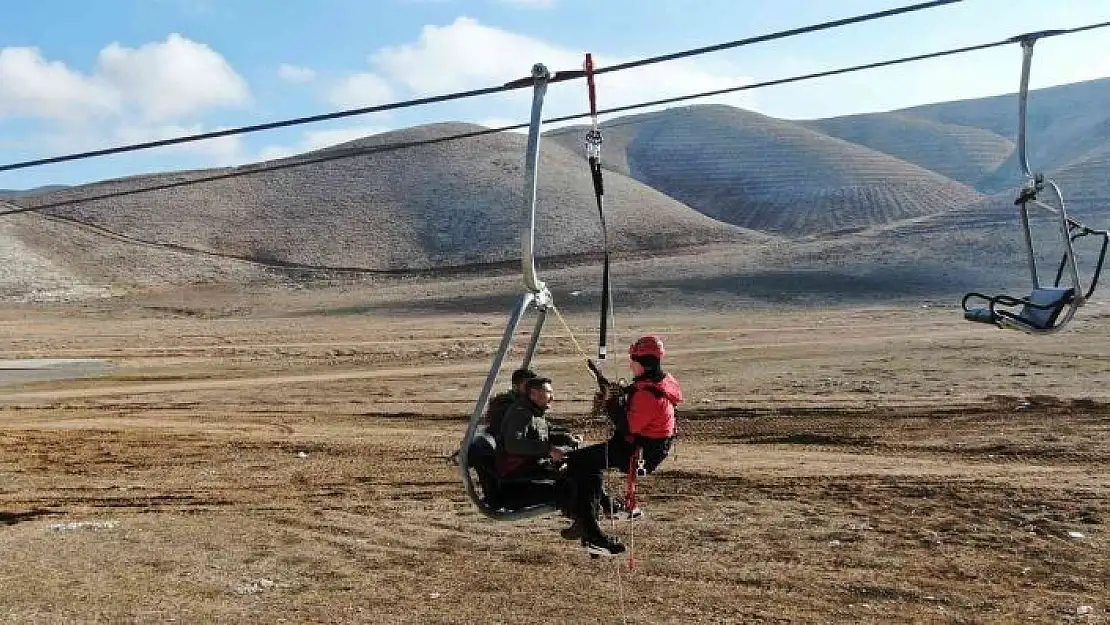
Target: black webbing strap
<point x="593" y="151"/>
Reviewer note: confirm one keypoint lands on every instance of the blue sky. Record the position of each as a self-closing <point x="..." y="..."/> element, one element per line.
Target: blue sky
<point x="76" y="76"/>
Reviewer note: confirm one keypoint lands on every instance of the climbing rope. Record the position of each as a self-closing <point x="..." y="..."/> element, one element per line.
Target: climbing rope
<point x="635" y="469"/>
<point x="594" y="140"/>
<point x="636" y="463"/>
<point x="570" y="333"/>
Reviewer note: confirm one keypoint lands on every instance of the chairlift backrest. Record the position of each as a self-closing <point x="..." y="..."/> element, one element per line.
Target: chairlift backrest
<point x="1045" y="306"/>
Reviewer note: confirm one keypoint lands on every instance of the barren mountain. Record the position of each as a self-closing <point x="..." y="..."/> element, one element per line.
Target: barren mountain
<point x="1066" y="124"/>
<point x="772" y="175"/>
<point x="27" y="274"/>
<point x="962" y="153"/>
<point x="872" y="213"/>
<point x="999" y="114"/>
<point x="977" y="247"/>
<point x="359" y="206"/>
<point x="48" y="258"/>
<point x="1086" y="186"/>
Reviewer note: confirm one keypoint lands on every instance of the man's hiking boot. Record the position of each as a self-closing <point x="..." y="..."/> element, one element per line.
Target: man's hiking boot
<point x="574" y="532"/>
<point x="603" y="546"/>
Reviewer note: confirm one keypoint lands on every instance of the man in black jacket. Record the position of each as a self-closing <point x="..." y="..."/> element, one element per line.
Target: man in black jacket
<point x="530" y="444"/>
<point x="532" y="450"/>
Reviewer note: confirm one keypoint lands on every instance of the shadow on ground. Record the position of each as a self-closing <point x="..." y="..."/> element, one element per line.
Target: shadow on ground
<point x="12" y="518"/>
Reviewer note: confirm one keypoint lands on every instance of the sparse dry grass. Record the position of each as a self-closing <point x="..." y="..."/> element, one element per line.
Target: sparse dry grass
<point x="876" y="465"/>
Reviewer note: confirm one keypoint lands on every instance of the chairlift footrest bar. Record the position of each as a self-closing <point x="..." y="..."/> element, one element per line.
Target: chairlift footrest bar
<point x="981" y="315"/>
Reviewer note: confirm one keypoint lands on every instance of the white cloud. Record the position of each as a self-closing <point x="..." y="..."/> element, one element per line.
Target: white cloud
<point x="296" y="73"/>
<point x="159" y="90"/>
<point x="31" y="86"/>
<point x="318" y="139"/>
<point x="466" y="55"/>
<point x="158" y="81"/>
<point x="360" y="90"/>
<point x="461" y="56"/>
<point x="172" y="79"/>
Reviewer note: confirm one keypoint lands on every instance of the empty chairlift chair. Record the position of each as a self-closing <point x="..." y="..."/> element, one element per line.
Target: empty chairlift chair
<point x="1046" y="309"/>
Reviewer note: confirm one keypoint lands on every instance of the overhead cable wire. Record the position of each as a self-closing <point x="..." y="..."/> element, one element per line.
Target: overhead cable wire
<point x="846" y="70"/>
<point x="343" y="153"/>
<point x="803" y="30"/>
<point x="510" y="86"/>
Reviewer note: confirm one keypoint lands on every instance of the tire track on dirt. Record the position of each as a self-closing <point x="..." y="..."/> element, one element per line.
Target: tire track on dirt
<point x="494" y="338"/>
<point x="420" y="371"/>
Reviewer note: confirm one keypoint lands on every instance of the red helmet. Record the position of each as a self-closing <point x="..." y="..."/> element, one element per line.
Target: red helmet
<point x="647" y="346"/>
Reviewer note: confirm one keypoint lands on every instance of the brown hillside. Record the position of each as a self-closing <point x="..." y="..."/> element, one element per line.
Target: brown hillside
<point x="871" y="225"/>
<point x="26" y="274"/>
<point x="439" y="205"/>
<point x="772" y="175"/>
<point x="1067" y="123"/>
<point x="52" y="259"/>
<point x="962" y="153"/>
<point x="1086" y="186"/>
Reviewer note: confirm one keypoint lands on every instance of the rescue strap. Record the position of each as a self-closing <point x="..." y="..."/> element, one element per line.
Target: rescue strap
<point x="593" y="154"/>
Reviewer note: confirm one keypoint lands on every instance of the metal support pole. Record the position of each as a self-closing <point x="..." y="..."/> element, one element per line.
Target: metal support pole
<point x="535" y="342"/>
<point x="540" y="75"/>
<point x="1035" y="183"/>
<point x="487" y="388"/>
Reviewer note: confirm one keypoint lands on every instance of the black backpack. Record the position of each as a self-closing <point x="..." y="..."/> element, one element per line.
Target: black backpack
<point x="495" y="412"/>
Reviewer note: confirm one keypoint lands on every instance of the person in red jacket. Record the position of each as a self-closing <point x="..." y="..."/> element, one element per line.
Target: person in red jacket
<point x="644" y="419"/>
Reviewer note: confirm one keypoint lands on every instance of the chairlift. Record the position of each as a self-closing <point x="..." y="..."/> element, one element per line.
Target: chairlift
<point x="1047" y="309"/>
<point x="500" y="498"/>
<point x="518" y="498"/>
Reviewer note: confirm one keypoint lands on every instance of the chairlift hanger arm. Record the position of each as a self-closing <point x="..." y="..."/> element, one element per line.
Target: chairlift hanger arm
<point x="1037" y="182"/>
<point x="1023" y="106"/>
<point x="477" y="451"/>
<point x="540" y="79"/>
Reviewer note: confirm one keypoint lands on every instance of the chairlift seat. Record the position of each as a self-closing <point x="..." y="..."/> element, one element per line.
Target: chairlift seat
<point x="505" y="493"/>
<point x="1040" y="311"/>
<point x="1044" y="306"/>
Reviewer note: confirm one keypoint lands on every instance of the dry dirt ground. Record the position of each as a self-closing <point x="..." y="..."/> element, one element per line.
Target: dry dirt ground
<point x="285" y="465"/>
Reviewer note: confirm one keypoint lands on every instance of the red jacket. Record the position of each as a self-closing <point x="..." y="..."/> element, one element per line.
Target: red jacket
<point x="651" y="407"/>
